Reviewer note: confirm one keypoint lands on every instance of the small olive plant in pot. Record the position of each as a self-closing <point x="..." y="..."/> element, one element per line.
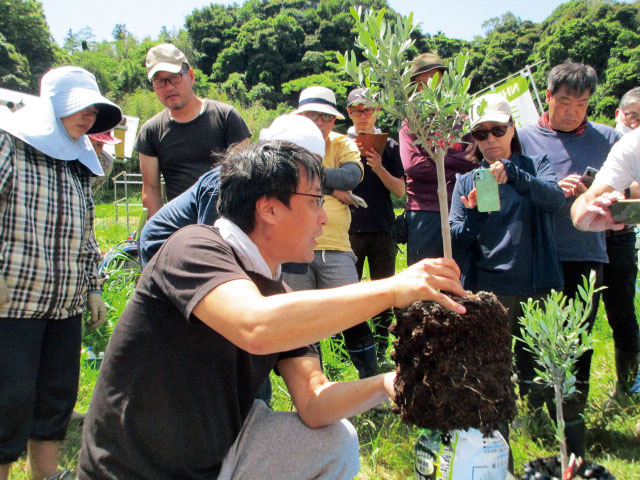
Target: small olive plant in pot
<point x="556" y="333"/>
<point x="453" y="371"/>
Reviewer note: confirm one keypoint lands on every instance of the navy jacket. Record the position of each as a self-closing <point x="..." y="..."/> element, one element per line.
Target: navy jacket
<point x="529" y="200"/>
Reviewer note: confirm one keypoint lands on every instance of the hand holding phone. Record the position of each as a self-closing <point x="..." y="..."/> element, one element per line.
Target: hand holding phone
<point x="625" y="211"/>
<point x="588" y="176"/>
<point x="487" y="190"/>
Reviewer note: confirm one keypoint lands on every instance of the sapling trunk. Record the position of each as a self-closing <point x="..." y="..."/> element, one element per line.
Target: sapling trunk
<point x="443" y="201"/>
<point x="557" y="391"/>
<point x="437" y="154"/>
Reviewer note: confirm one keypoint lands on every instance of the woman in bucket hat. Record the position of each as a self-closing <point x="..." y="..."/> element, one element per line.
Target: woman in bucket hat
<point x="48" y="261"/>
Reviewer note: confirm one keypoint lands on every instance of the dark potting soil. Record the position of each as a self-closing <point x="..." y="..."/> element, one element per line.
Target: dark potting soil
<point x="549" y="469"/>
<point x="454" y="371"/>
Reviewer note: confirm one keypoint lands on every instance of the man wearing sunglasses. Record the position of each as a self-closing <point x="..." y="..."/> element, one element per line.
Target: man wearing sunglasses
<point x="572" y="143"/>
<point x="180" y="142"/>
<point x="334" y="262"/>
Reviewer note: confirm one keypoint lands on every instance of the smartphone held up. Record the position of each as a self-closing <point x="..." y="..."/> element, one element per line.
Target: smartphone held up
<point x="487" y="190"/>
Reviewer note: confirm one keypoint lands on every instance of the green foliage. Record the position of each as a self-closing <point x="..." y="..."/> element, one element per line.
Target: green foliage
<point x="279" y="44"/>
<point x="23" y="25"/>
<point x="601" y="34"/>
<point x="14" y="68"/>
<point x="235" y="89"/>
<point x="142" y="103"/>
<point x="81" y="40"/>
<point x="558" y="335"/>
<point x="436" y="113"/>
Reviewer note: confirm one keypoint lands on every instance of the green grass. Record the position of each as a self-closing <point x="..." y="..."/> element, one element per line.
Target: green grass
<point x="386" y="444"/>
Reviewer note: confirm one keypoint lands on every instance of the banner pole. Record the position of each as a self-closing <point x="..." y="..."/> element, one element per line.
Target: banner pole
<point x="535" y="89"/>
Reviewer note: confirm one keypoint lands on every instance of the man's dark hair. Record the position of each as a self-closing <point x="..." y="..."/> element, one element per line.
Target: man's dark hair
<point x="265" y="169"/>
<point x="575" y="77"/>
<point x="629" y="98"/>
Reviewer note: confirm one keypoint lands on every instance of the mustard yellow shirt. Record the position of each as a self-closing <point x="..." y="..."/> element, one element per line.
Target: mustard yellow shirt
<point x="335" y="234"/>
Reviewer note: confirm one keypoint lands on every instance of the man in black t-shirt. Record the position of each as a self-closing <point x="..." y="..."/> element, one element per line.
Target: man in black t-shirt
<point x="211" y="317"/>
<point x="180" y="142"/>
<point x="370" y="231"/>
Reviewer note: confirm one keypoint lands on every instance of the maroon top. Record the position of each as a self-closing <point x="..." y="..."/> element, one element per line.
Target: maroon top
<point x="420" y="170"/>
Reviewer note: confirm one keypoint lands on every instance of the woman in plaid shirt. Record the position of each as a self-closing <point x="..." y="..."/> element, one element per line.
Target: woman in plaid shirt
<point x="48" y="261"/>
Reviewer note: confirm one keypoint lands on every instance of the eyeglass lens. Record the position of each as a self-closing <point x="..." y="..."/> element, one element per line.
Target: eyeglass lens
<point x="173" y="80"/>
<point x="326" y="117"/>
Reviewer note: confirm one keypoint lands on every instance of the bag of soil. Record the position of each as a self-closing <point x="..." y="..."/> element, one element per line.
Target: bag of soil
<point x="461" y="455"/>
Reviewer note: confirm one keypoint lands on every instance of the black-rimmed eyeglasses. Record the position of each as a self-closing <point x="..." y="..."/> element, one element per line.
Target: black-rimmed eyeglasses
<point x="326" y="117"/>
<point x="319" y="198"/>
<point x="160" y="83"/>
<point x="497" y="131"/>
<point x="359" y="113"/>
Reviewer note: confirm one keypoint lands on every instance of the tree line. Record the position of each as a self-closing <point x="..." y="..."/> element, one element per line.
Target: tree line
<point x="263" y="52"/>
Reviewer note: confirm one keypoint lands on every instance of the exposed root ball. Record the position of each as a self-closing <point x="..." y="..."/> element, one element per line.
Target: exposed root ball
<point x="454" y="371"/>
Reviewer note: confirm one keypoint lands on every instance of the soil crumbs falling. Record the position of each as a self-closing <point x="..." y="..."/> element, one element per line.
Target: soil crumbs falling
<point x="454" y="371"/>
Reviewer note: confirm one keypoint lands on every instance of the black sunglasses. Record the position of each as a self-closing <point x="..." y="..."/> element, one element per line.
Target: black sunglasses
<point x="498" y="131"/>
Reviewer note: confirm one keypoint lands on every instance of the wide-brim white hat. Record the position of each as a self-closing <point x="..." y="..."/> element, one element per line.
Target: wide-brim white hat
<point x="72" y="89"/>
<point x="318" y="99"/>
<point x="296" y="129"/>
<point x="496" y="109"/>
<point x="63" y="91"/>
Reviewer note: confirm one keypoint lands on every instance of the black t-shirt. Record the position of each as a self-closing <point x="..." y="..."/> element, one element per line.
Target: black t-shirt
<point x="172" y="393"/>
<point x="379" y="215"/>
<point x="185" y="151"/>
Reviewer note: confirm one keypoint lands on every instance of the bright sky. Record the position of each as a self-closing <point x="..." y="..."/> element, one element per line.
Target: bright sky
<point x="456" y="18"/>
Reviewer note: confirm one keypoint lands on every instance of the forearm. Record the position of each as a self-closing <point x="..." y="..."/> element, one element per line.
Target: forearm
<point x="579" y="207"/>
<point x="274" y="323"/>
<point x="347" y="177"/>
<point x="263" y="325"/>
<point x="151" y="199"/>
<point x="335" y="401"/>
<point x="542" y="188"/>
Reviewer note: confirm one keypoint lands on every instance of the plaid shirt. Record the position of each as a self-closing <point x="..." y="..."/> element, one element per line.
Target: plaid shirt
<point x="48" y="252"/>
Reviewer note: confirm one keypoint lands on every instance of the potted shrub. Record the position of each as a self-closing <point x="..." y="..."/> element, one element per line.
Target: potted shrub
<point x="556" y="333"/>
<point x="466" y="385"/>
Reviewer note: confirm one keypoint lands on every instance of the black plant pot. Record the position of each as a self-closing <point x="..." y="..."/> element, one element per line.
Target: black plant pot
<point x="549" y="469"/>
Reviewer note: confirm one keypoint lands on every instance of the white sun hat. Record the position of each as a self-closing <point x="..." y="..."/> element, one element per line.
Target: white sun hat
<point x="63" y="92"/>
<point x="318" y="99"/>
<point x="296" y="129"/>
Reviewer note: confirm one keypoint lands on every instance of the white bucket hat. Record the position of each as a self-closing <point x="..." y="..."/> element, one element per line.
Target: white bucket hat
<point x="72" y="89"/>
<point x="496" y="109"/>
<point x="63" y="92"/>
<point x="296" y="129"/>
<point x="318" y="99"/>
